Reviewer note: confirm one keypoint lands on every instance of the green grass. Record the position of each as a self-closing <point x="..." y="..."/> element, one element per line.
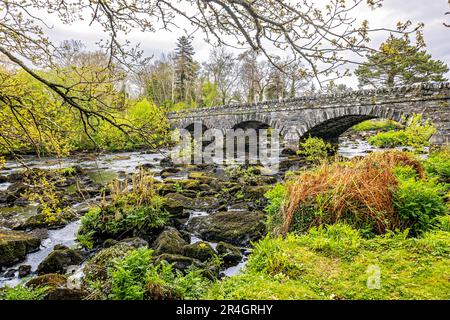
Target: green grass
<point x="335" y="262"/>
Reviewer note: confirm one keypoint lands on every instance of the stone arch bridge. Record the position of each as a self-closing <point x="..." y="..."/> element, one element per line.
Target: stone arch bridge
<point x="328" y="115"/>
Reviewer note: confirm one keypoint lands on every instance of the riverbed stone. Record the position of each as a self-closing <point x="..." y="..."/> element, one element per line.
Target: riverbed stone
<point x="179" y="262"/>
<point x="52" y="280"/>
<point x="15" y="245"/>
<point x="96" y="267"/>
<point x="237" y="227"/>
<point x="231" y="255"/>
<point x="24" y="270"/>
<point x="169" y="241"/>
<point x="175" y="203"/>
<point x="201" y="251"/>
<point x="58" y="261"/>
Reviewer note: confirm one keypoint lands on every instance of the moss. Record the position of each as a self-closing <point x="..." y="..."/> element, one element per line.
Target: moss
<point x="169" y="241"/>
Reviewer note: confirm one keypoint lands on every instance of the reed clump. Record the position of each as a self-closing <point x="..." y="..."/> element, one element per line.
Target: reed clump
<point x="358" y="192"/>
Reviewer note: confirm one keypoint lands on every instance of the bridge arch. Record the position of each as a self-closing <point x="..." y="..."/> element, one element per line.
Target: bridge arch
<point x="331" y="123"/>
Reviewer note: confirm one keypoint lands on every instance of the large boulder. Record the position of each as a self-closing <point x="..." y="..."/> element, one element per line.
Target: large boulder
<point x="237" y="227"/>
<point x="14" y="246"/>
<point x="59" y="260"/>
<point x="169" y="241"/>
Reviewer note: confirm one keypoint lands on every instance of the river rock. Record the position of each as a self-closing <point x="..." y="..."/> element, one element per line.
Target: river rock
<point x="230" y="254"/>
<point x="65" y="293"/>
<point x="169" y="241"/>
<point x="96" y="267"/>
<point x="14" y="246"/>
<point x="179" y="262"/>
<point x="175" y="204"/>
<point x="166" y="162"/>
<point x="52" y="280"/>
<point x="201" y="251"/>
<point x="24" y="270"/>
<point x="59" y="260"/>
<point x="237" y="227"/>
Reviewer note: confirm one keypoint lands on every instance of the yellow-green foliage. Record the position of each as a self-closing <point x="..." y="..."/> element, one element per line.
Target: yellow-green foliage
<point x="21" y="292"/>
<point x="314" y="149"/>
<point x="49" y="198"/>
<point x="35" y="118"/>
<point x="335" y="262"/>
<point x="416" y="135"/>
<point x="438" y="164"/>
<point x="377" y="124"/>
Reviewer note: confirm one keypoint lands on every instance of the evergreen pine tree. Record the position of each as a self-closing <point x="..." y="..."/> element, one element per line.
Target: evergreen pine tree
<point x="185" y="70"/>
<point x="399" y="63"/>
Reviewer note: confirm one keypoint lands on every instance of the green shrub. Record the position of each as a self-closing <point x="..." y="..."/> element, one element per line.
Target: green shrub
<point x="418" y="203"/>
<point x="120" y="220"/>
<point x="137" y="277"/>
<point x="135" y="211"/>
<point x="438" y="164"/>
<point x="416" y="135"/>
<point x="269" y="257"/>
<point x="389" y="139"/>
<point x="377" y="124"/>
<point x="315" y="149"/>
<point x="21" y="292"/>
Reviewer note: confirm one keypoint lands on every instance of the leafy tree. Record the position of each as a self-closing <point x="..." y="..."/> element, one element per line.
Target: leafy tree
<point x="221" y="70"/>
<point x="400" y="63"/>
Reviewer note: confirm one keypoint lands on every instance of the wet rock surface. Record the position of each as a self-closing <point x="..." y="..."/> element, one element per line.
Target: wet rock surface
<point x="14" y="246"/>
<point x="237" y="227"/>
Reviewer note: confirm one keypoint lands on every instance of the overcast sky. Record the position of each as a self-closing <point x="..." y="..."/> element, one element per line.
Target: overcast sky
<point x="430" y="12"/>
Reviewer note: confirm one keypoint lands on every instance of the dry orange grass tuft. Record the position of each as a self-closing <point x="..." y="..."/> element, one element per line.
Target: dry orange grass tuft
<point x="360" y="190"/>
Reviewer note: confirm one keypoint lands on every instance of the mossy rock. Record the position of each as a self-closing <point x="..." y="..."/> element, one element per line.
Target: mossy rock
<point x="58" y="261"/>
<point x="179" y="262"/>
<point x="165" y="188"/>
<point x="207" y="203"/>
<point x="66" y="294"/>
<point x="254" y="193"/>
<point x="237" y="227"/>
<point x="15" y="245"/>
<point x="96" y="267"/>
<point x="175" y="203"/>
<point x="201" y="251"/>
<point x="230" y="254"/>
<point x="52" y="280"/>
<point x="203" y="177"/>
<point x="188" y="184"/>
<point x="169" y="241"/>
<point x="40" y="221"/>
